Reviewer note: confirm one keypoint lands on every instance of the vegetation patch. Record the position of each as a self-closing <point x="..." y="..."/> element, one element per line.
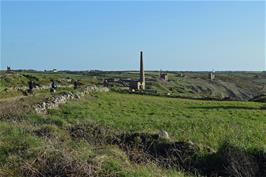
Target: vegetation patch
<point x="116" y="135"/>
<point x="53" y="162"/>
<point x="93" y="133"/>
<point x="187" y="156"/>
<point x="227" y="161"/>
<point x="203" y="122"/>
<point x="16" y="145"/>
<point x="15" y="110"/>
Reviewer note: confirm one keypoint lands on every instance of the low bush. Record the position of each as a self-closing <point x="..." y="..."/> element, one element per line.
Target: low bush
<point x="55" y="162"/>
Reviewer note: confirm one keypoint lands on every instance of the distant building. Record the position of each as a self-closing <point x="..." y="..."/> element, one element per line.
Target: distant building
<point x="135" y="85"/>
<point x="212" y="75"/>
<point x="139" y="84"/>
<point x="163" y="76"/>
<point x="113" y="79"/>
<point x="8" y="68"/>
<point x="109" y="82"/>
<point x="180" y="75"/>
<point x="53" y="70"/>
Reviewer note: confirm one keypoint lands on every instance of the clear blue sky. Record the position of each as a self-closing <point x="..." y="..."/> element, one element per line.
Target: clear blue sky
<point x="109" y="35"/>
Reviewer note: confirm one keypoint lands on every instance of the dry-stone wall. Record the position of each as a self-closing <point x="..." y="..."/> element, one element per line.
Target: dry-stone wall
<point x="62" y="98"/>
<point x="43" y="87"/>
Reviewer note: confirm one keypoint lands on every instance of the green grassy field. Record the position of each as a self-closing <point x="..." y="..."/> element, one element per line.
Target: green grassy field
<point x="24" y="153"/>
<point x="32" y="144"/>
<point x="205" y="122"/>
<point x="43" y="142"/>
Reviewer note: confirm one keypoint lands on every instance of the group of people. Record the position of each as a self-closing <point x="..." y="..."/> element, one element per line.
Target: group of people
<point x="53" y="85"/>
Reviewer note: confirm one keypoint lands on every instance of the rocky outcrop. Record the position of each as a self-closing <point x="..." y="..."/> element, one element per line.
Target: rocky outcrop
<point x="61" y="98"/>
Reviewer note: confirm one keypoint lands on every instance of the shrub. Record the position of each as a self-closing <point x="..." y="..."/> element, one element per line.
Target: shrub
<point x="55" y="162"/>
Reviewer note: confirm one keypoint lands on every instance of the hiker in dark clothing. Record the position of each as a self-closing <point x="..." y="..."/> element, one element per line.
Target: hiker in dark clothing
<point x="105" y="83"/>
<point x="31" y="85"/>
<point x="77" y="84"/>
<point x="53" y="87"/>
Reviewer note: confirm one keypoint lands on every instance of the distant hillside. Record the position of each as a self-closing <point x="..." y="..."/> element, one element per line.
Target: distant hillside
<point x="225" y="86"/>
<point x="197" y="85"/>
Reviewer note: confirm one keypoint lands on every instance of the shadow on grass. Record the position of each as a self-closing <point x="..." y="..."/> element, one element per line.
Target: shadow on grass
<point x="227" y="161"/>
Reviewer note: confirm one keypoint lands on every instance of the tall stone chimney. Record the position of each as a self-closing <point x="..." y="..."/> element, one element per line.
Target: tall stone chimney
<point x="142" y="75"/>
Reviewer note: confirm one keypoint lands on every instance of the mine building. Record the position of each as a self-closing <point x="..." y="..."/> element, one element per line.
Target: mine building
<point x="135" y="85"/>
<point x="112" y="79"/>
<point x="139" y="84"/>
<point x="163" y="76"/>
<point x="180" y="75"/>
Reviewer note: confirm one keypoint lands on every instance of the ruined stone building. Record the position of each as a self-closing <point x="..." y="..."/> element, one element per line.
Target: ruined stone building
<point x="163" y="76"/>
<point x="110" y="82"/>
<point x="139" y="84"/>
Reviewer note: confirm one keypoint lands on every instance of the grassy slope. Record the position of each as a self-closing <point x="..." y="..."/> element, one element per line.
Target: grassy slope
<point x="20" y="149"/>
<point x="206" y="122"/>
<point x="20" y="79"/>
<point x="39" y="144"/>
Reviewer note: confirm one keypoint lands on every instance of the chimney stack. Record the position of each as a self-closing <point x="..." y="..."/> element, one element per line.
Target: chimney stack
<point x="142" y="75"/>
